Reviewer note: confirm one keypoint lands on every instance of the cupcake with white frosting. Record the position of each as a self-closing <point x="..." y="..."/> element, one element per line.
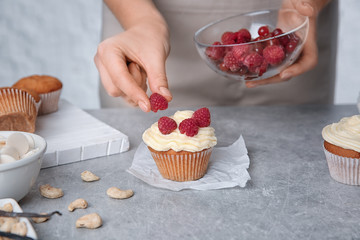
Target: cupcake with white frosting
<point x="181" y="144"/>
<point x="342" y="149"/>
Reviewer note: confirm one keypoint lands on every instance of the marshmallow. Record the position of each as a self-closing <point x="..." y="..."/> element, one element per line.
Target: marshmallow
<point x="6" y="159"/>
<point x="19" y="141"/>
<point x="30" y="141"/>
<point x="10" y="151"/>
<point x="29" y="153"/>
<point x="16" y="146"/>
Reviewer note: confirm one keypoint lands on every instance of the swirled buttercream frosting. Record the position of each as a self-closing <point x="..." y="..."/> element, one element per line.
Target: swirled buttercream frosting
<point x="345" y="133"/>
<point x="177" y="141"/>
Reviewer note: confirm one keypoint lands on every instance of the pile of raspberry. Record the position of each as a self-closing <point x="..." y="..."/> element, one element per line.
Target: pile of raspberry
<point x="190" y="126"/>
<point x="254" y="58"/>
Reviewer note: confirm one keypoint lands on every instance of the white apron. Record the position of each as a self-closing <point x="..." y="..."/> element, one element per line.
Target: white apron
<point x="192" y="83"/>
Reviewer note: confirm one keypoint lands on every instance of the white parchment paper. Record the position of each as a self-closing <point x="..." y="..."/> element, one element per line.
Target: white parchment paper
<point x="227" y="168"/>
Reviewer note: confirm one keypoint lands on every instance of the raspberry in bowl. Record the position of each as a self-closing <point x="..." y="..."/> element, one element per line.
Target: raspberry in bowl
<point x="253" y="46"/>
<point x="181" y="145"/>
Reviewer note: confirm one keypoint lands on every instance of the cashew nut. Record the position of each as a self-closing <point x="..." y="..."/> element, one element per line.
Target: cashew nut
<point x="88" y="176"/>
<point x="19" y="228"/>
<point x="91" y="221"/>
<point x="78" y="203"/>
<point x="50" y="192"/>
<point x="7" y="224"/>
<point x="7" y="207"/>
<point x="117" y="193"/>
<point x="39" y="219"/>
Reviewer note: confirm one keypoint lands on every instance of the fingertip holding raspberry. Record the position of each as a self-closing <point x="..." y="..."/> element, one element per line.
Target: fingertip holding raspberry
<point x="158" y="102"/>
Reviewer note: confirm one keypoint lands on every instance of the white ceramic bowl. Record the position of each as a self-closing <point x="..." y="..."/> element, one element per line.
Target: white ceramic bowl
<point x="17" y="178"/>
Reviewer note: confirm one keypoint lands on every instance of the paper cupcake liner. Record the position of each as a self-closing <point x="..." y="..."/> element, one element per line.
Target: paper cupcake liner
<point x="343" y="169"/>
<point x="15" y="101"/>
<point x="187" y="166"/>
<point x="49" y="102"/>
<point x="37" y="105"/>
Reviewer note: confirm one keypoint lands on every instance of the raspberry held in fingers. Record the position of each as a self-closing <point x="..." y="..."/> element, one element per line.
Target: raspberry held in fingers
<point x="158" y="102"/>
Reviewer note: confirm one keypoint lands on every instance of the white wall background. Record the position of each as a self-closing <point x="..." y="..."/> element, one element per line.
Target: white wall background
<point x="348" y="61"/>
<point x="60" y="38"/>
<point x="52" y="37"/>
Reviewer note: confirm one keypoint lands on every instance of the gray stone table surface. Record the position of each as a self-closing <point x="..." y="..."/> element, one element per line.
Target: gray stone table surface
<point x="290" y="195"/>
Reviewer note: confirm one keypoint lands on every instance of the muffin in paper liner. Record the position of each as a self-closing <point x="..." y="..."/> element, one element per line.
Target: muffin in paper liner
<point x="17" y="110"/>
<point x="181" y="166"/>
<point x="47" y="87"/>
<point x="342" y="169"/>
<point x="49" y="102"/>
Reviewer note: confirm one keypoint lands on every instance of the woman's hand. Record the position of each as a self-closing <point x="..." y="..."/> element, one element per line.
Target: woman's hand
<point x="309" y="56"/>
<point x="125" y="61"/>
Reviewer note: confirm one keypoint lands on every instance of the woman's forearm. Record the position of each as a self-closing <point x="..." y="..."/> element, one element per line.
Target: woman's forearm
<point x="132" y="12"/>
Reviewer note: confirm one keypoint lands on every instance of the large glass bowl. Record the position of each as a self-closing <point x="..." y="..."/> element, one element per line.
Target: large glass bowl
<point x="294" y="28"/>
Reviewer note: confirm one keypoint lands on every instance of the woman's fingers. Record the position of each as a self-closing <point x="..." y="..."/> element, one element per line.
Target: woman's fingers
<point x="305" y="7"/>
<point x="154" y="66"/>
<point x="138" y="75"/>
<point x="146" y="47"/>
<point x="118" y="71"/>
<point x="256" y="83"/>
<point x="108" y="84"/>
<point x="307" y="62"/>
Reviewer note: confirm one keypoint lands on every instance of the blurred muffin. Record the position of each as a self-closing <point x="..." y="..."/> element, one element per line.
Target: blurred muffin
<point x="181" y="148"/>
<point x="342" y="149"/>
<point x="17" y="110"/>
<point x="48" y="87"/>
<point x="36" y="97"/>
